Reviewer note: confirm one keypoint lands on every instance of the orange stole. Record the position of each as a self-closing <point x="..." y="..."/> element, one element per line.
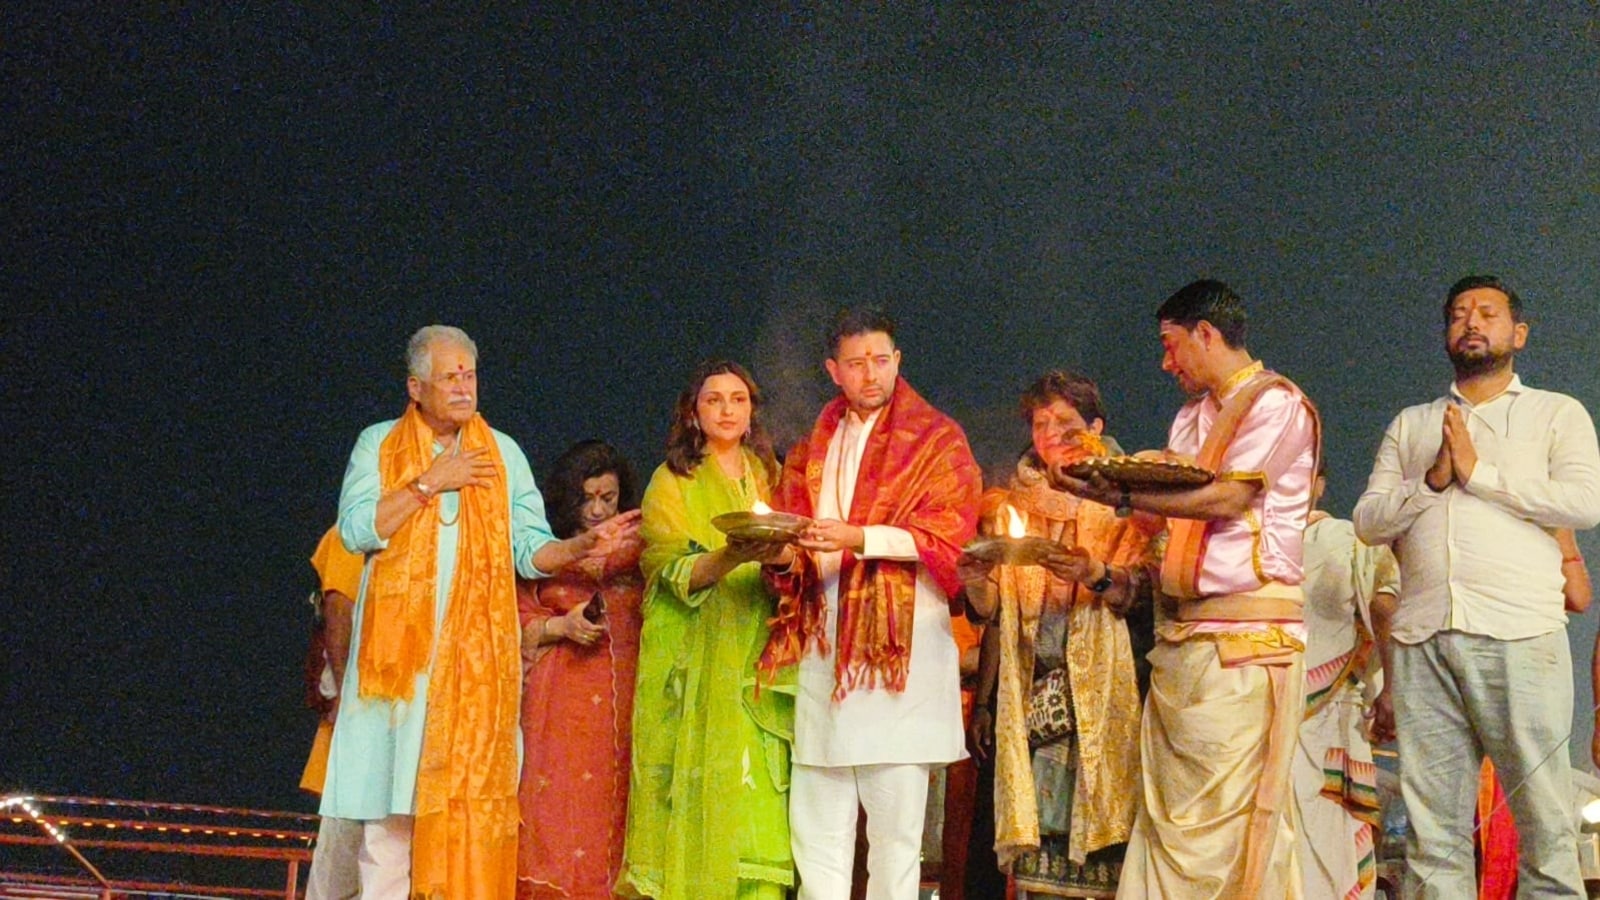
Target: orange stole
<point x="1186" y="538"/>
<point x="464" y="839"/>
<point x="337" y="570"/>
<point x="917" y="473"/>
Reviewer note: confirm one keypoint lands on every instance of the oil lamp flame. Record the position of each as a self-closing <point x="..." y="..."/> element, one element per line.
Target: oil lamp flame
<point x="1015" y="528"/>
<point x="760" y="509"/>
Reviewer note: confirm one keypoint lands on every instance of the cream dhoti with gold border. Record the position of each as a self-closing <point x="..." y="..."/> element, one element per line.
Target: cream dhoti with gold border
<point x="1216" y="743"/>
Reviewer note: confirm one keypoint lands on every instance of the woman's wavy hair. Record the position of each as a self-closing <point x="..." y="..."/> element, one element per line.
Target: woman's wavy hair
<point x="686" y="443"/>
<point x="563" y="490"/>
<point x="1079" y="391"/>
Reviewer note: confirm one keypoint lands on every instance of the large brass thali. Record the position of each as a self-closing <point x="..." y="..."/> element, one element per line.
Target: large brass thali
<point x="1138" y="473"/>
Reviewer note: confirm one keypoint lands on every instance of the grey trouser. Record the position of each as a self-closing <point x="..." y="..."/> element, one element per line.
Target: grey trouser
<point x="1459" y="697"/>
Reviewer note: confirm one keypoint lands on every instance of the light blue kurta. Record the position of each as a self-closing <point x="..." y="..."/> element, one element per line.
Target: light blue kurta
<point x="372" y="764"/>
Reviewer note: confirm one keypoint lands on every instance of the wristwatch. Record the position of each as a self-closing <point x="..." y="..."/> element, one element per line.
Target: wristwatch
<point x="1104" y="584"/>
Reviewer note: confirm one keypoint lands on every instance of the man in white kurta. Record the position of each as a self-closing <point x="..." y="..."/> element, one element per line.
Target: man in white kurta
<point x="877" y="707"/>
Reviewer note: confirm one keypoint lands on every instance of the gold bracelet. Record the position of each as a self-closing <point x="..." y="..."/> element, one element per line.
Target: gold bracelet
<point x="1571" y="559"/>
<point x="422" y="494"/>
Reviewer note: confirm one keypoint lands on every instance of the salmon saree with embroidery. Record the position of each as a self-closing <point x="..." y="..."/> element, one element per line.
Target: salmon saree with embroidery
<point x="577" y="726"/>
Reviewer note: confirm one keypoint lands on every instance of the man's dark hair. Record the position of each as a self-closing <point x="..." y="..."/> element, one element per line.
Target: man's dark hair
<point x="1472" y="283"/>
<point x="1207" y="300"/>
<point x="858" y="320"/>
<point x="563" y="490"/>
<point x="1080" y="392"/>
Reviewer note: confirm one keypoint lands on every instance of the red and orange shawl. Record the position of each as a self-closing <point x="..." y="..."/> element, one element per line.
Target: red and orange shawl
<point x="917" y="473"/>
<point x="464" y="840"/>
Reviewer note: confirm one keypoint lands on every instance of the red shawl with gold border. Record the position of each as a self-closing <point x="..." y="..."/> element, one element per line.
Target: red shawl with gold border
<point x="917" y="473"/>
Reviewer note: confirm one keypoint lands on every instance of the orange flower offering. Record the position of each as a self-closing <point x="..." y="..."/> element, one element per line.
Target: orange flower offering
<point x="1085" y="444"/>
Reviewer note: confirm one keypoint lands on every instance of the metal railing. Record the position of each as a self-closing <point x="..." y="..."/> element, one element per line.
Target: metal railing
<point x="92" y="836"/>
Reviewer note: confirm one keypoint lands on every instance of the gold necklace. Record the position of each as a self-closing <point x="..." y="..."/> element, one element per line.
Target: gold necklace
<point x="1233" y="381"/>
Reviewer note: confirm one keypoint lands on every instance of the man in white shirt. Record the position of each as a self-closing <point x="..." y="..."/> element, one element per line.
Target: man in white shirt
<point x="864" y="613"/>
<point x="1468" y="488"/>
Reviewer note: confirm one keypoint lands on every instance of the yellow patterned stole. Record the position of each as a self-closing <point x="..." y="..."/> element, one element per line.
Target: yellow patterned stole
<point x="1099" y="658"/>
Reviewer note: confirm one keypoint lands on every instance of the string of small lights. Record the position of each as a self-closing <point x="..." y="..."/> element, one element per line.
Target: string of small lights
<point x="130" y="831"/>
<point x="26" y="804"/>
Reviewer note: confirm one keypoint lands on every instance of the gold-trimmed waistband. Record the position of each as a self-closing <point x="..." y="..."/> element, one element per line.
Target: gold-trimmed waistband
<point x="1272" y="602"/>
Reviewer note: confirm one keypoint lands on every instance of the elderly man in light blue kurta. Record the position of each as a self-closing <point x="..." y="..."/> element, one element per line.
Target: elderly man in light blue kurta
<point x="447" y="513"/>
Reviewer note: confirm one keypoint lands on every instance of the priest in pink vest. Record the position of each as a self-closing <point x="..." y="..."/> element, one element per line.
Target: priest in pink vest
<point x="1216" y="819"/>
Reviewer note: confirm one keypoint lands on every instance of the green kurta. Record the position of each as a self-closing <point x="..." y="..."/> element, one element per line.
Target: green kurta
<point x="708" y="809"/>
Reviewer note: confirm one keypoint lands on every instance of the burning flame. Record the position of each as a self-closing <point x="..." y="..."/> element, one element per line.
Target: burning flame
<point x="1015" y="529"/>
<point x="760" y="509"/>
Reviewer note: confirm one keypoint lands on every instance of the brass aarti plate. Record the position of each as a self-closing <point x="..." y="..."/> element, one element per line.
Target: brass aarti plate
<point x="1010" y="551"/>
<point x="1137" y="473"/>
<point x="773" y="527"/>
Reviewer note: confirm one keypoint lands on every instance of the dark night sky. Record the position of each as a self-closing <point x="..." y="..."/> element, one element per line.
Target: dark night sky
<point x="225" y="222"/>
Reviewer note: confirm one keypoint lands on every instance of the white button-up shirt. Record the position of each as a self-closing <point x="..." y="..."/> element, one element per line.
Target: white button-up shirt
<point x="1481" y="559"/>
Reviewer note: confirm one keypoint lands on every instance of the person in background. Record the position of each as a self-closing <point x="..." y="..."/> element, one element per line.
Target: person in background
<point x="961" y="778"/>
<point x="1496" y="840"/>
<point x="1351" y="590"/>
<point x="580" y="649"/>
<point x="334" y="873"/>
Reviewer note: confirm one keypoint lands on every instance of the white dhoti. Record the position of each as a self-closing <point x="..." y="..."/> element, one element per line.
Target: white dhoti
<point x="1216" y="745"/>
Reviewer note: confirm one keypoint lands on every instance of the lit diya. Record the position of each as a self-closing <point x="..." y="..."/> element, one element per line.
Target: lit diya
<point x="1016" y="548"/>
<point x="760" y="523"/>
